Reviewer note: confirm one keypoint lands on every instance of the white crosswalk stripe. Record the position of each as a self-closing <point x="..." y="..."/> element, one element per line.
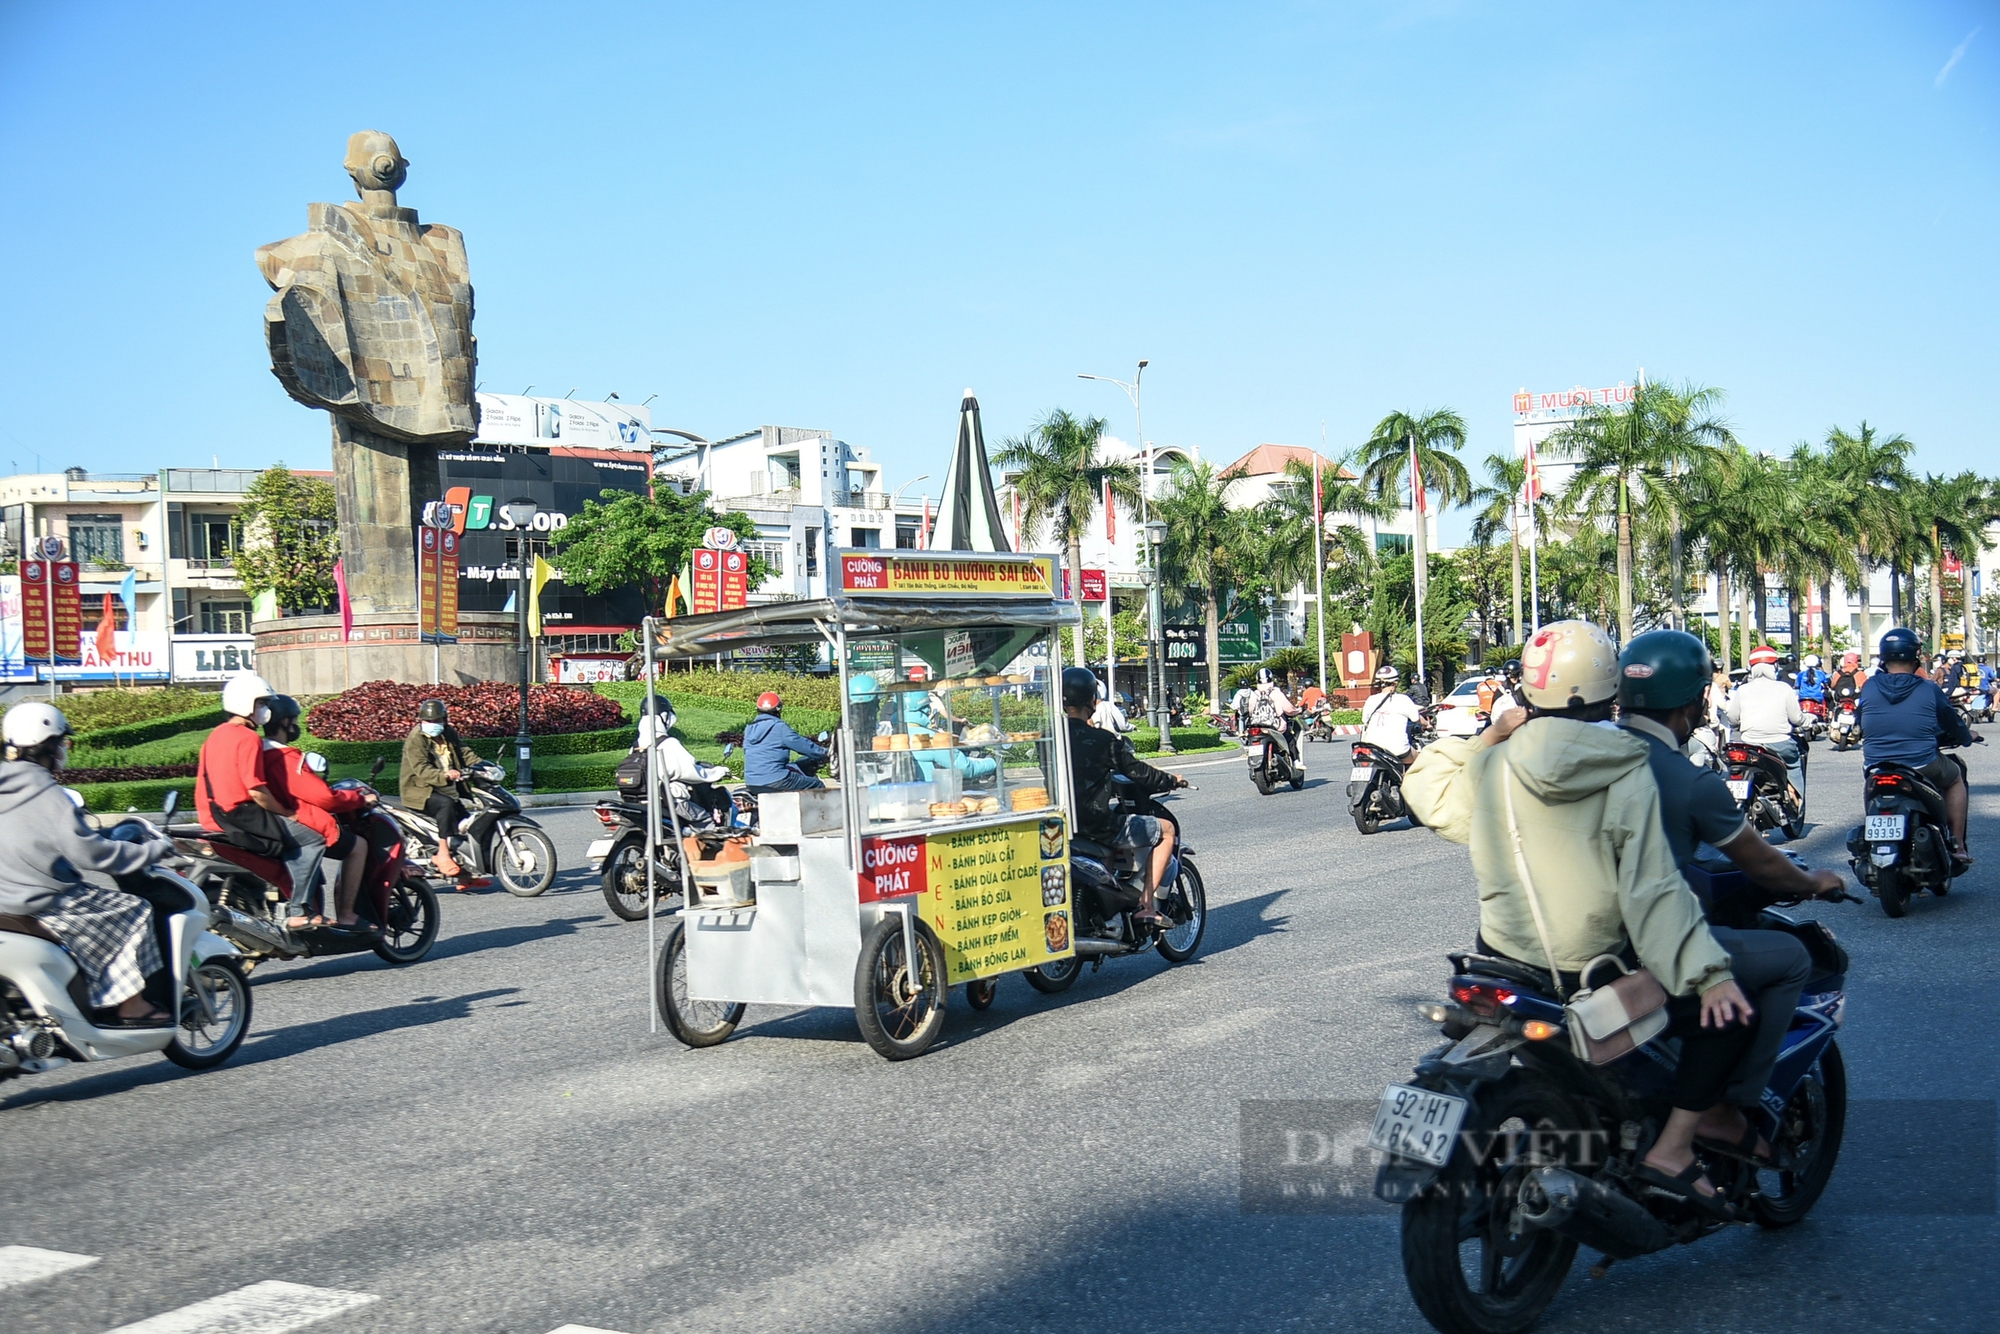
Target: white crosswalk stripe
<point x="581" y="1329"/>
<point x="32" y="1264"/>
<point x="262" y="1308"/>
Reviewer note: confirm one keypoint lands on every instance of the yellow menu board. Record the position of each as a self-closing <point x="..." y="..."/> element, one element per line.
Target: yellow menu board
<point x="998" y="897"/>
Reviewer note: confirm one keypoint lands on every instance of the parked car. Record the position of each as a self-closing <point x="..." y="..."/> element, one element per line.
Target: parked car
<point x="1459" y="714"/>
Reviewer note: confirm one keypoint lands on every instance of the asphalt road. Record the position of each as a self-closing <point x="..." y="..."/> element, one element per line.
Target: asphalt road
<point x="492" y="1140"/>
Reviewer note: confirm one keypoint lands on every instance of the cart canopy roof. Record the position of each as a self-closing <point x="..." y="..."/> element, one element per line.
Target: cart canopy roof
<point x="810" y="622"/>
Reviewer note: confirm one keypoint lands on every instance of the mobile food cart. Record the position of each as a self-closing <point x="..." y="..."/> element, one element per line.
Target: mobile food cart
<point x="938" y="854"/>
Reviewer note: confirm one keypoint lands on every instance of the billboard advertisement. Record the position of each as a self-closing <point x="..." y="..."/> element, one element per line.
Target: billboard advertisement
<point x="141" y="655"/>
<point x="479" y="482"/>
<point x="511" y="419"/>
<point x="213" y="657"/>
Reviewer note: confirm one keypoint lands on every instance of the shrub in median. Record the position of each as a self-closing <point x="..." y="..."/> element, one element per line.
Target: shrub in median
<point x="387" y="710"/>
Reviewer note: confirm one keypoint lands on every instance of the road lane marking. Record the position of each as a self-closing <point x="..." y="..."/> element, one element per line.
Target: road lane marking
<point x="581" y="1329"/>
<point x="270" y="1307"/>
<point x="32" y="1264"/>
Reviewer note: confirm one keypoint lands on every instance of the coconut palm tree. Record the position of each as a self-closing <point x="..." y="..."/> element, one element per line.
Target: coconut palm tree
<point x="1818" y="548"/>
<point x="1944" y="515"/>
<point x="1061" y="478"/>
<point x="1506" y="482"/>
<point x="1871" y="473"/>
<point x="1205" y="548"/>
<point x="1640" y="448"/>
<point x="1435" y="439"/>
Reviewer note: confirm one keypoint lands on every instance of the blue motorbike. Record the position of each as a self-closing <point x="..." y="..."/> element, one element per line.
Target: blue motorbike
<point x="1506" y="1151"/>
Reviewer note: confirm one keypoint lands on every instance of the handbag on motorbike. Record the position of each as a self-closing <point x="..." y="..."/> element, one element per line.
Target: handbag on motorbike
<point x="1605" y="1022"/>
<point x="630" y="776"/>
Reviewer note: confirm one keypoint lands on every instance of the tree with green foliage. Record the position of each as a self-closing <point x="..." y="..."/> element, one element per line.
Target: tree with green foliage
<point x="290" y="539"/>
<point x="1434" y="438"/>
<point x="629" y="539"/>
<point x="1205" y="548"/>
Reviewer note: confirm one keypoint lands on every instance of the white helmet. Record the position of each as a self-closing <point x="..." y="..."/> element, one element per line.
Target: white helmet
<point x="32" y="723"/>
<point x="1811" y="660"/>
<point x="240" y="696"/>
<point x="1386" y="673"/>
<point x="1569" y="660"/>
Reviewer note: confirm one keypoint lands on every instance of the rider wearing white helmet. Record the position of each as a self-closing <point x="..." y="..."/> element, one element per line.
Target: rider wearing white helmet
<point x="47" y="848"/>
<point x="1388" y="715"/>
<point x="233" y="797"/>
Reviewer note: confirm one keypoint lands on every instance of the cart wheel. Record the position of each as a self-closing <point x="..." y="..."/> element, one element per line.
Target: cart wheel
<point x="1051" y="978"/>
<point x="979" y="995"/>
<point x="899" y="1013"/>
<point x="697" y="1023"/>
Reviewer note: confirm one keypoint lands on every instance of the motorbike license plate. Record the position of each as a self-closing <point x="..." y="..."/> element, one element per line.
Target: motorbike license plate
<point x="1739" y="788"/>
<point x="1416" y="1123"/>
<point x="1361" y="773"/>
<point x="599" y="850"/>
<point x="1885" y="828"/>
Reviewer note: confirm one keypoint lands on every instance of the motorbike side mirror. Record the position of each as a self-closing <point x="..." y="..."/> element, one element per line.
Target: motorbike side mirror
<point x="170" y="805"/>
<point x="375" y="769"/>
<point x="728" y="749"/>
<point x="824" y="737"/>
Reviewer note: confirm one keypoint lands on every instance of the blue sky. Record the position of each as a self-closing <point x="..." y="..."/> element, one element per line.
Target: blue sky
<point x="840" y="216"/>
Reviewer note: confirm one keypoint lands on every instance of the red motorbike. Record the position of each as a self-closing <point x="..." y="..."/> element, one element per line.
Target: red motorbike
<point x="1816" y="719"/>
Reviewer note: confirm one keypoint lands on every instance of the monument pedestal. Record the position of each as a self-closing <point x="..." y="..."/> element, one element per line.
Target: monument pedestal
<point x="304" y="655"/>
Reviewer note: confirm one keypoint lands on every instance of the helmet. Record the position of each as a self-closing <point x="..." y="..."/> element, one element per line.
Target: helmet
<point x="1512" y="671"/>
<point x="32" y="723"/>
<point x="1850" y="659"/>
<point x="1264" y="677"/>
<point x="284" y="711"/>
<point x="1763" y="656"/>
<point x="659" y="706"/>
<point x="1663" y="669"/>
<point x="863" y="688"/>
<point x="1956" y="653"/>
<point x="1387" y="675"/>
<point x="431" y="711"/>
<point x="1569" y="660"/>
<point x="768" y="702"/>
<point x="920" y="673"/>
<point x="1079" y="688"/>
<point x="241" y="694"/>
<point x="1901" y="645"/>
<point x="1811" y="660"/>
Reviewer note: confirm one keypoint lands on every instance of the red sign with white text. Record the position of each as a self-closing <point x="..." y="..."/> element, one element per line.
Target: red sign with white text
<point x="1093" y="584"/>
<point x="44" y="582"/>
<point x="707" y="596"/>
<point x="892" y="868"/>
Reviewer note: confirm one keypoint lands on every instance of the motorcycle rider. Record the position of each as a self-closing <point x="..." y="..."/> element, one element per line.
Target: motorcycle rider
<point x="1509" y="695"/>
<point x="1812" y="681"/>
<point x="1903" y="717"/>
<point x="768" y="746"/>
<point x="230" y="780"/>
<point x="1662" y="696"/>
<point x="1094" y="755"/>
<point x="298" y="779"/>
<point x="1108" y="715"/>
<point x="109" y="933"/>
<point x="1577" y="805"/>
<point x="1845" y="687"/>
<point x="1765" y="711"/>
<point x="435" y="761"/>
<point x="1268" y="706"/>
<point x="1388" y="715"/>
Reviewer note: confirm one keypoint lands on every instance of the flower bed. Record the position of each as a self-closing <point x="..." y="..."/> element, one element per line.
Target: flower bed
<point x="387" y="710"/>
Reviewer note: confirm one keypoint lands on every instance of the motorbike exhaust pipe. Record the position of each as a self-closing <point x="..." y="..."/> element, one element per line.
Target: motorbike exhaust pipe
<point x="232" y="922"/>
<point x="1087" y="947"/>
<point x="1589" y="1212"/>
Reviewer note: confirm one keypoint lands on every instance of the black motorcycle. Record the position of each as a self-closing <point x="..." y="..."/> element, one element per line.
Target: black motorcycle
<point x="496" y="838"/>
<point x="709" y="813"/>
<point x="1375" y="789"/>
<point x="1903" y="844"/>
<point x="1102" y="879"/>
<point x="1762" y="785"/>
<point x="1270" y="758"/>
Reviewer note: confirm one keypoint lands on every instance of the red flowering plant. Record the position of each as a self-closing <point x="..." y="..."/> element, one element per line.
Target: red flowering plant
<point x="387" y="710"/>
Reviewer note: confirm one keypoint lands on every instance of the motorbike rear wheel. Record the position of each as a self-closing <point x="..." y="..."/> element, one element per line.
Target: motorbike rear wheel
<point x="1263" y="782"/>
<point x="1053" y="978"/>
<point x="899" y="1003"/>
<point x="201" y="1042"/>
<point x="1178" y="943"/>
<point x="1364" y="819"/>
<point x="524" y="860"/>
<point x="413" y="923"/>
<point x="697" y="1023"/>
<point x="1810" y="1129"/>
<point x="1893" y="890"/>
<point x="1467" y="1274"/>
<point x="625" y="882"/>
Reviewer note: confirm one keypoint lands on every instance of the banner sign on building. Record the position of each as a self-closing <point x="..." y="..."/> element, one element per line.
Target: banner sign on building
<point x="1187" y="645"/>
<point x="1093" y="584"/>
<point x="721" y="577"/>
<point x="997" y="897"/>
<point x="1569" y="404"/>
<point x="213" y="657"/>
<point x="514" y="419"/>
<point x="880" y="574"/>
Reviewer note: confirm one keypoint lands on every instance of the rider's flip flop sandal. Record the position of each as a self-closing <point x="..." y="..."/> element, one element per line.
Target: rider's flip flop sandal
<point x="1682" y="1184"/>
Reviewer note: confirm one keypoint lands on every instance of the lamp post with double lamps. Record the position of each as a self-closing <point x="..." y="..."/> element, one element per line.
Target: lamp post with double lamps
<point x="1156" y="665"/>
<point x="520" y="513"/>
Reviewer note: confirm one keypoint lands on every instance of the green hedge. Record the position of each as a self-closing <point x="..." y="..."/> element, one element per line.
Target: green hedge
<point x="101" y="710"/>
<point x="814" y="692"/>
<point x="155" y="729"/>
<point x="147" y="796"/>
<point x="1146" y="740"/>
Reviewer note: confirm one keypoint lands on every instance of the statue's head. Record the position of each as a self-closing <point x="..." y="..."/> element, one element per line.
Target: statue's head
<point x="374" y="161"/>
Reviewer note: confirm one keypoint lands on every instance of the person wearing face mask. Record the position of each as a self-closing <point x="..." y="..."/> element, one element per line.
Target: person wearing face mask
<point x="435" y="759"/>
<point x="234" y="801"/>
<point x="47" y="847"/>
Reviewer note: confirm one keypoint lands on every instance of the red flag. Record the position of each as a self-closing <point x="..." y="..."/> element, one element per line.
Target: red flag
<point x="346" y="607"/>
<point x="1417" y="482"/>
<point x="107" y="632"/>
<point x="1534" y="476"/>
<point x="1110" y="514"/>
<point x="924" y="533"/>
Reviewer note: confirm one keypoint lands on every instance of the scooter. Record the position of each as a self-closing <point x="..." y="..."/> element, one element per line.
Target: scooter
<point x="1843" y="730"/>
<point x="1375" y="789"/>
<point x="1102" y="877"/>
<point x="1815" y="719"/>
<point x="1760" y="781"/>
<point x="1903" y="845"/>
<point x="47" y="1021"/>
<point x="496" y="838"/>
<point x="709" y="814"/>
<point x="1270" y="758"/>
<point x="249" y="894"/>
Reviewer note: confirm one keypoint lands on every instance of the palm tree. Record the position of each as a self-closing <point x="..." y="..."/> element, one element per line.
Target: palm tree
<point x="1871" y="474"/>
<point x="1643" y="447"/>
<point x="1204" y="548"/>
<point x="1943" y="511"/>
<point x="1506" y="483"/>
<point x="1288" y="518"/>
<point x="1060" y="478"/>
<point x="1434" y="439"/>
<point x="1818" y="548"/>
<point x="1981" y="511"/>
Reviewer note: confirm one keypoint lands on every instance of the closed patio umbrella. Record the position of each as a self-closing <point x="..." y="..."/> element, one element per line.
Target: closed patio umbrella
<point x="969" y="515"/>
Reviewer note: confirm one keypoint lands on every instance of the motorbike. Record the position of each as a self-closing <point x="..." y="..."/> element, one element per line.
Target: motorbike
<point x="1319" y="725"/>
<point x="1224" y="723"/>
<point x="249" y="895"/>
<point x="1759" y="780"/>
<point x="496" y="838"/>
<point x="47" y="1021"/>
<point x="1270" y="758"/>
<point x="1971" y="705"/>
<point x="1813" y="726"/>
<point x="709" y="814"/>
<point x="1375" y="788"/>
<point x="1902" y="845"/>
<point x="1844" y="728"/>
<point x="1099" y="876"/>
<point x="1506" y="1151"/>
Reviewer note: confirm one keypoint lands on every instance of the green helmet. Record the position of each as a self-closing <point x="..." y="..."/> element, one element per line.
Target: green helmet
<point x="1663" y="669"/>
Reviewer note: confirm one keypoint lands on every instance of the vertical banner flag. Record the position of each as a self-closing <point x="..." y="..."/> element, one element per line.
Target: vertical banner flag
<point x="35" y="610"/>
<point x="674" y="596"/>
<point x="707" y="580"/>
<point x="427" y="573"/>
<point x="735" y="580"/>
<point x="1534" y="486"/>
<point x="924" y="533"/>
<point x="1419" y="502"/>
<point x="66" y="594"/>
<point x="542" y="571"/>
<point x="1110" y="514"/>
<point x="128" y="593"/>
<point x="107" y="630"/>
<point x="346" y="607"/>
<point x="447" y="590"/>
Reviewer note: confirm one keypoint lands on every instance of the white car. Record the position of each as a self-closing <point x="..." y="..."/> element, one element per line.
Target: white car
<point x="1459" y="714"/>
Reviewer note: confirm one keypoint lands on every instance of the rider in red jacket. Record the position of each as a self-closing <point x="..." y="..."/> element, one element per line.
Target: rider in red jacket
<point x="293" y="780"/>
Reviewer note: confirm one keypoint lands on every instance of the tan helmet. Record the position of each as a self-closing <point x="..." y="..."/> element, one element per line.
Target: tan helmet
<point x="1569" y="660"/>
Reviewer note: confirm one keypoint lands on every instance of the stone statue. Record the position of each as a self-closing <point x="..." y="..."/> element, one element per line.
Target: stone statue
<point x="372" y="321"/>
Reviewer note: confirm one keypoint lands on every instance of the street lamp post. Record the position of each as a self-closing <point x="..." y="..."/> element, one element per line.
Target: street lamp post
<point x="1156" y="664"/>
<point x="521" y="514"/>
<point x="1156" y="536"/>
